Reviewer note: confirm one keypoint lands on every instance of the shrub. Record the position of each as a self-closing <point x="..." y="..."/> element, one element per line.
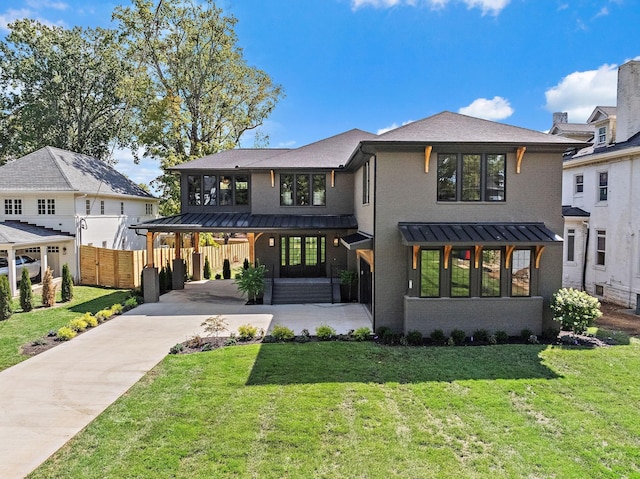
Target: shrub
<point x="414" y="338"/>
<point x="207" y="268"/>
<point x="245" y="264"/>
<point x="6" y="306"/>
<point x="48" y="289"/>
<point x="251" y="282"/>
<point x="302" y="339"/>
<point x="575" y="310"/>
<point x="78" y="324"/>
<point x="91" y="320"/>
<point x="450" y="342"/>
<point x="438" y="337"/>
<point x="226" y="269"/>
<point x="389" y="337"/>
<point x="325" y="332"/>
<point x="501" y="337"/>
<point x="176" y="349"/>
<point x="492" y="340"/>
<point x="550" y="333"/>
<point x="195" y="342"/>
<point x="215" y="325"/>
<point x="247" y="332"/>
<point x="458" y="336"/>
<point x="206" y="347"/>
<point x="130" y="303"/>
<point x="116" y="309"/>
<point x="533" y="339"/>
<point x="218" y="276"/>
<point x="282" y="333"/>
<point x="230" y="341"/>
<point x="103" y="315"/>
<point x="67" y="284"/>
<point x="65" y="333"/>
<point x="403" y="340"/>
<point x="39" y="342"/>
<point x="381" y="330"/>
<point x="525" y="334"/>
<point x="26" y="293"/>
<point x="362" y="334"/>
<point x="481" y="336"/>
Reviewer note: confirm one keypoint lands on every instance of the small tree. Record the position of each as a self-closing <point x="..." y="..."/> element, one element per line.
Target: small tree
<point x="347" y="279"/>
<point x="215" y="325"/>
<point x="48" y="289"/>
<point x="26" y="293"/>
<point x="67" y="284"/>
<point x="6" y="307"/>
<point x="575" y="310"/>
<point x="207" y="268"/>
<point x="251" y="282"/>
<point x="245" y="264"/>
<point x="226" y="269"/>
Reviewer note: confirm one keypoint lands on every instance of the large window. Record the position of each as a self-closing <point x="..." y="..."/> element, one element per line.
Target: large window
<point x="303" y="189"/>
<point x="12" y="206"/>
<point x="603" y="185"/>
<point x="480" y="178"/>
<point x="47" y="207"/>
<point x="601" y="246"/>
<point x="491" y="272"/>
<point x="430" y="273"/>
<point x="211" y="190"/>
<point x="460" y="273"/>
<point x="521" y="273"/>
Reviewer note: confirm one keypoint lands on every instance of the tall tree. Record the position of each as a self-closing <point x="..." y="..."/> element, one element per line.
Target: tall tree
<point x="195" y="93"/>
<point x="62" y="88"/>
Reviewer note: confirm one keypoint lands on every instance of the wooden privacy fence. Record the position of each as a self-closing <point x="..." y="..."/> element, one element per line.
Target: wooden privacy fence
<point x="122" y="269"/>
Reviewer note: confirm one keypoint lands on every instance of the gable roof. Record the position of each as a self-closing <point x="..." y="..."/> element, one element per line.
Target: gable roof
<point x="230" y="159"/>
<point x="53" y="169"/>
<point x="601" y="112"/>
<point x="448" y="127"/>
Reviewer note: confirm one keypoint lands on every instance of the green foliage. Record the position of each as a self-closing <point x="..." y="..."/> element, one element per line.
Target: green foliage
<point x="176" y="349"/>
<point x="215" y="325"/>
<point x="63" y="88"/>
<point x="207" y="268"/>
<point x="48" y="289"/>
<point x="480" y="336"/>
<point x="575" y="310"/>
<point x="117" y="309"/>
<point x="414" y="338"/>
<point x="247" y="332"/>
<point x="90" y="319"/>
<point x="438" y="337"/>
<point x="103" y="315"/>
<point x="282" y="333"/>
<point x="525" y="334"/>
<point x="381" y="330"/>
<point x="67" y="284"/>
<point x="458" y="336"/>
<point x="26" y="293"/>
<point x="162" y="280"/>
<point x="362" y="334"/>
<point x="389" y="337"/>
<point x="65" y="333"/>
<point x="325" y="332"/>
<point x="194" y="92"/>
<point x="251" y="282"/>
<point x="78" y="324"/>
<point x="501" y="337"/>
<point x="226" y="269"/>
<point x="6" y="305"/>
<point x="130" y="303"/>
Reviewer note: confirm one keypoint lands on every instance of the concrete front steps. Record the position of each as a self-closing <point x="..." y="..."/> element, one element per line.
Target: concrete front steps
<point x="304" y="290"/>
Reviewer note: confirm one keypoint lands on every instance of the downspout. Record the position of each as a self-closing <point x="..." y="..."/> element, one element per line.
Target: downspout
<point x="584" y="256"/>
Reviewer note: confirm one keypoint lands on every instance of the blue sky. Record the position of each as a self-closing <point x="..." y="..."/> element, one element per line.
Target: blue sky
<point x="377" y="64"/>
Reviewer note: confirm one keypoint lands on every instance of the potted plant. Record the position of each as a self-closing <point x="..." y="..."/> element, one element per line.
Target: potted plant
<point x="348" y="279"/>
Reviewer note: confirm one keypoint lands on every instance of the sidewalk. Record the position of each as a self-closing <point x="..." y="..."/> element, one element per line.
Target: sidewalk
<point x="49" y="398"/>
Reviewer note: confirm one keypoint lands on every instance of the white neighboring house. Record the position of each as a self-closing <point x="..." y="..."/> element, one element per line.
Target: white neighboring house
<point x="602" y="199"/>
<point x="81" y="199"/>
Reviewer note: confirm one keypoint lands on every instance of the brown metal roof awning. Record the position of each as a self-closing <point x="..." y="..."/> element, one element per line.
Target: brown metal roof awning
<point x="476" y="233"/>
<point x="357" y="241"/>
<point x="246" y="222"/>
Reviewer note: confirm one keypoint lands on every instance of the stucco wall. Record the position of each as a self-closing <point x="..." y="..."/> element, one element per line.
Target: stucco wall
<point x="364" y="212"/>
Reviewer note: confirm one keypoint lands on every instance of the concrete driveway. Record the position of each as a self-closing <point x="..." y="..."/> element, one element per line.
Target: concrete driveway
<point x="49" y="398"/>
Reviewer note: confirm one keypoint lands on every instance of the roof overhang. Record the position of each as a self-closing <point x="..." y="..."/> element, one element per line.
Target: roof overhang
<point x="357" y="241"/>
<point x="247" y="222"/>
<point x="486" y="234"/>
<point x="14" y="234"/>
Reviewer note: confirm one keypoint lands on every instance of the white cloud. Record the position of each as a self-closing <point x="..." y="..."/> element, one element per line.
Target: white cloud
<point x="393" y="126"/>
<point x="12" y="15"/>
<point x="497" y="108"/>
<point x="40" y="4"/>
<point x="493" y="7"/>
<point x="580" y="92"/>
<point x="287" y="144"/>
<point x="604" y="11"/>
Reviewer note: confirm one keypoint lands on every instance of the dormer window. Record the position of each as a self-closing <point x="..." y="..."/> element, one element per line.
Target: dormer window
<point x="602" y="135"/>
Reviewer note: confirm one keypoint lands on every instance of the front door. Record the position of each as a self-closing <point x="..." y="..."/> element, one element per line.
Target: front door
<point x="303" y="256"/>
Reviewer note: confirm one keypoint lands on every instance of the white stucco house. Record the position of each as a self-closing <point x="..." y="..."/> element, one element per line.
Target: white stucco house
<point x="52" y="201"/>
<point x="601" y="198"/>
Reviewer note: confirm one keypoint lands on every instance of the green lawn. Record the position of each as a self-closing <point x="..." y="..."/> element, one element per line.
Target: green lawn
<point x="22" y="328"/>
<point x="359" y="410"/>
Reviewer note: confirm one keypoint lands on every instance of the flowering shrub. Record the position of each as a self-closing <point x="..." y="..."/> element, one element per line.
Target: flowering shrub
<point x="575" y="310"/>
<point x="78" y="324"/>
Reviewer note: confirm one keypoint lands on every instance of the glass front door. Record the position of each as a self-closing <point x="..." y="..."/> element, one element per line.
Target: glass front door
<point x="303" y="256"/>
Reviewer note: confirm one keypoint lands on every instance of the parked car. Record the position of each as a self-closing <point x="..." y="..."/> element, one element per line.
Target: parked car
<point x="22" y="261"/>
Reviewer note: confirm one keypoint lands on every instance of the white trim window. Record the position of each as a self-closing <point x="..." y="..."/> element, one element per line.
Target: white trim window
<point x="601" y="247"/>
<point x="46" y="206"/>
<point x="602" y="135"/>
<point x="571" y="245"/>
<point x="148" y="208"/>
<point x="603" y="185"/>
<point x="101" y="207"/>
<point x="578" y="182"/>
<point x="87" y="207"/>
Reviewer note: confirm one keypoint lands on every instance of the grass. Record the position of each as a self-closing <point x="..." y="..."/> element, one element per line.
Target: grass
<point x="358" y="410"/>
<point x="22" y="328"/>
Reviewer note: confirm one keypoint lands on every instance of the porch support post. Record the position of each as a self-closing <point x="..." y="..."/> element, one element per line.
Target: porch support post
<point x="196" y="242"/>
<point x="178" y="249"/>
<point x="367" y="255"/>
<point x="151" y="282"/>
<point x="507" y="260"/>
<point x="13" y="283"/>
<point x="149" y="249"/>
<point x="196" y="258"/>
<point x="251" y="237"/>
<point x="44" y="261"/>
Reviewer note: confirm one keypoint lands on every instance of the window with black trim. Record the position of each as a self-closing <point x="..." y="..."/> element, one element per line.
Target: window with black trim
<point x="603" y="185"/>
<point x="521" y="272"/>
<point x="471" y="177"/>
<point x="307" y="189"/>
<point x="430" y="266"/>
<point x="12" y="206"/>
<point x="578" y="184"/>
<point x="460" y="272"/>
<point x="213" y="190"/>
<point x="491" y="279"/>
<point x="366" y="182"/>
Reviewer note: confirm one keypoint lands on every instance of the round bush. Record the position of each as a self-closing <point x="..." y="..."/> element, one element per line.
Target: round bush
<point x="575" y="310"/>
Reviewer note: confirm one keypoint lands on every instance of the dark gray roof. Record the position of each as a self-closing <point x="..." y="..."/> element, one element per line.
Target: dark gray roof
<point x="633" y="142"/>
<point x="448" y="127"/>
<point x="600" y="111"/>
<point x="17" y="233"/>
<point x="476" y="233"/>
<point x="53" y="169"/>
<point x="247" y="222"/>
<point x="574" y="211"/>
<point x="357" y="241"/>
<point x="230" y="159"/>
<point x="584" y="128"/>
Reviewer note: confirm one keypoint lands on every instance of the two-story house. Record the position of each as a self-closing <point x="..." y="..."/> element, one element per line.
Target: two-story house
<point x="74" y="195"/>
<point x="450" y="222"/>
<point x="602" y="200"/>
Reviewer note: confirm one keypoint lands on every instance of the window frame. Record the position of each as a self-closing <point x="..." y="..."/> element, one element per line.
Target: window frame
<point x="454" y="170"/>
<point x="601" y="248"/>
<point x="13" y="206"/>
<point x="513" y="272"/>
<point x="482" y="272"/>
<point x="366" y="182"/>
<point x="571" y="246"/>
<point x="102" y="207"/>
<point x="87" y="207"/>
<point x="46" y="206"/>
<point x="578" y="184"/>
<point x="299" y="189"/>
<point x="602" y="135"/>
<point x="603" y="186"/>
<point x="205" y="189"/>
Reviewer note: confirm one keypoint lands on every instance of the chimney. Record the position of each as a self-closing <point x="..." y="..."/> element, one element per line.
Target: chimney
<point x="560" y="117"/>
<point x="628" y="109"/>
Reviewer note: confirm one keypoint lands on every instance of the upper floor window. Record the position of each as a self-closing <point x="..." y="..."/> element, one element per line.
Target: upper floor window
<point x="148" y="208"/>
<point x="87" y="206"/>
<point x="303" y="189"/>
<point x="471" y="177"/>
<point x="122" y="207"/>
<point x="194" y="189"/>
<point x="603" y="185"/>
<point x="12" y="206"/>
<point x="578" y="184"/>
<point x="46" y="207"/>
<point x="211" y="190"/>
<point x="101" y="207"/>
<point x="601" y="246"/>
<point x="366" y="182"/>
<point x="602" y="135"/>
